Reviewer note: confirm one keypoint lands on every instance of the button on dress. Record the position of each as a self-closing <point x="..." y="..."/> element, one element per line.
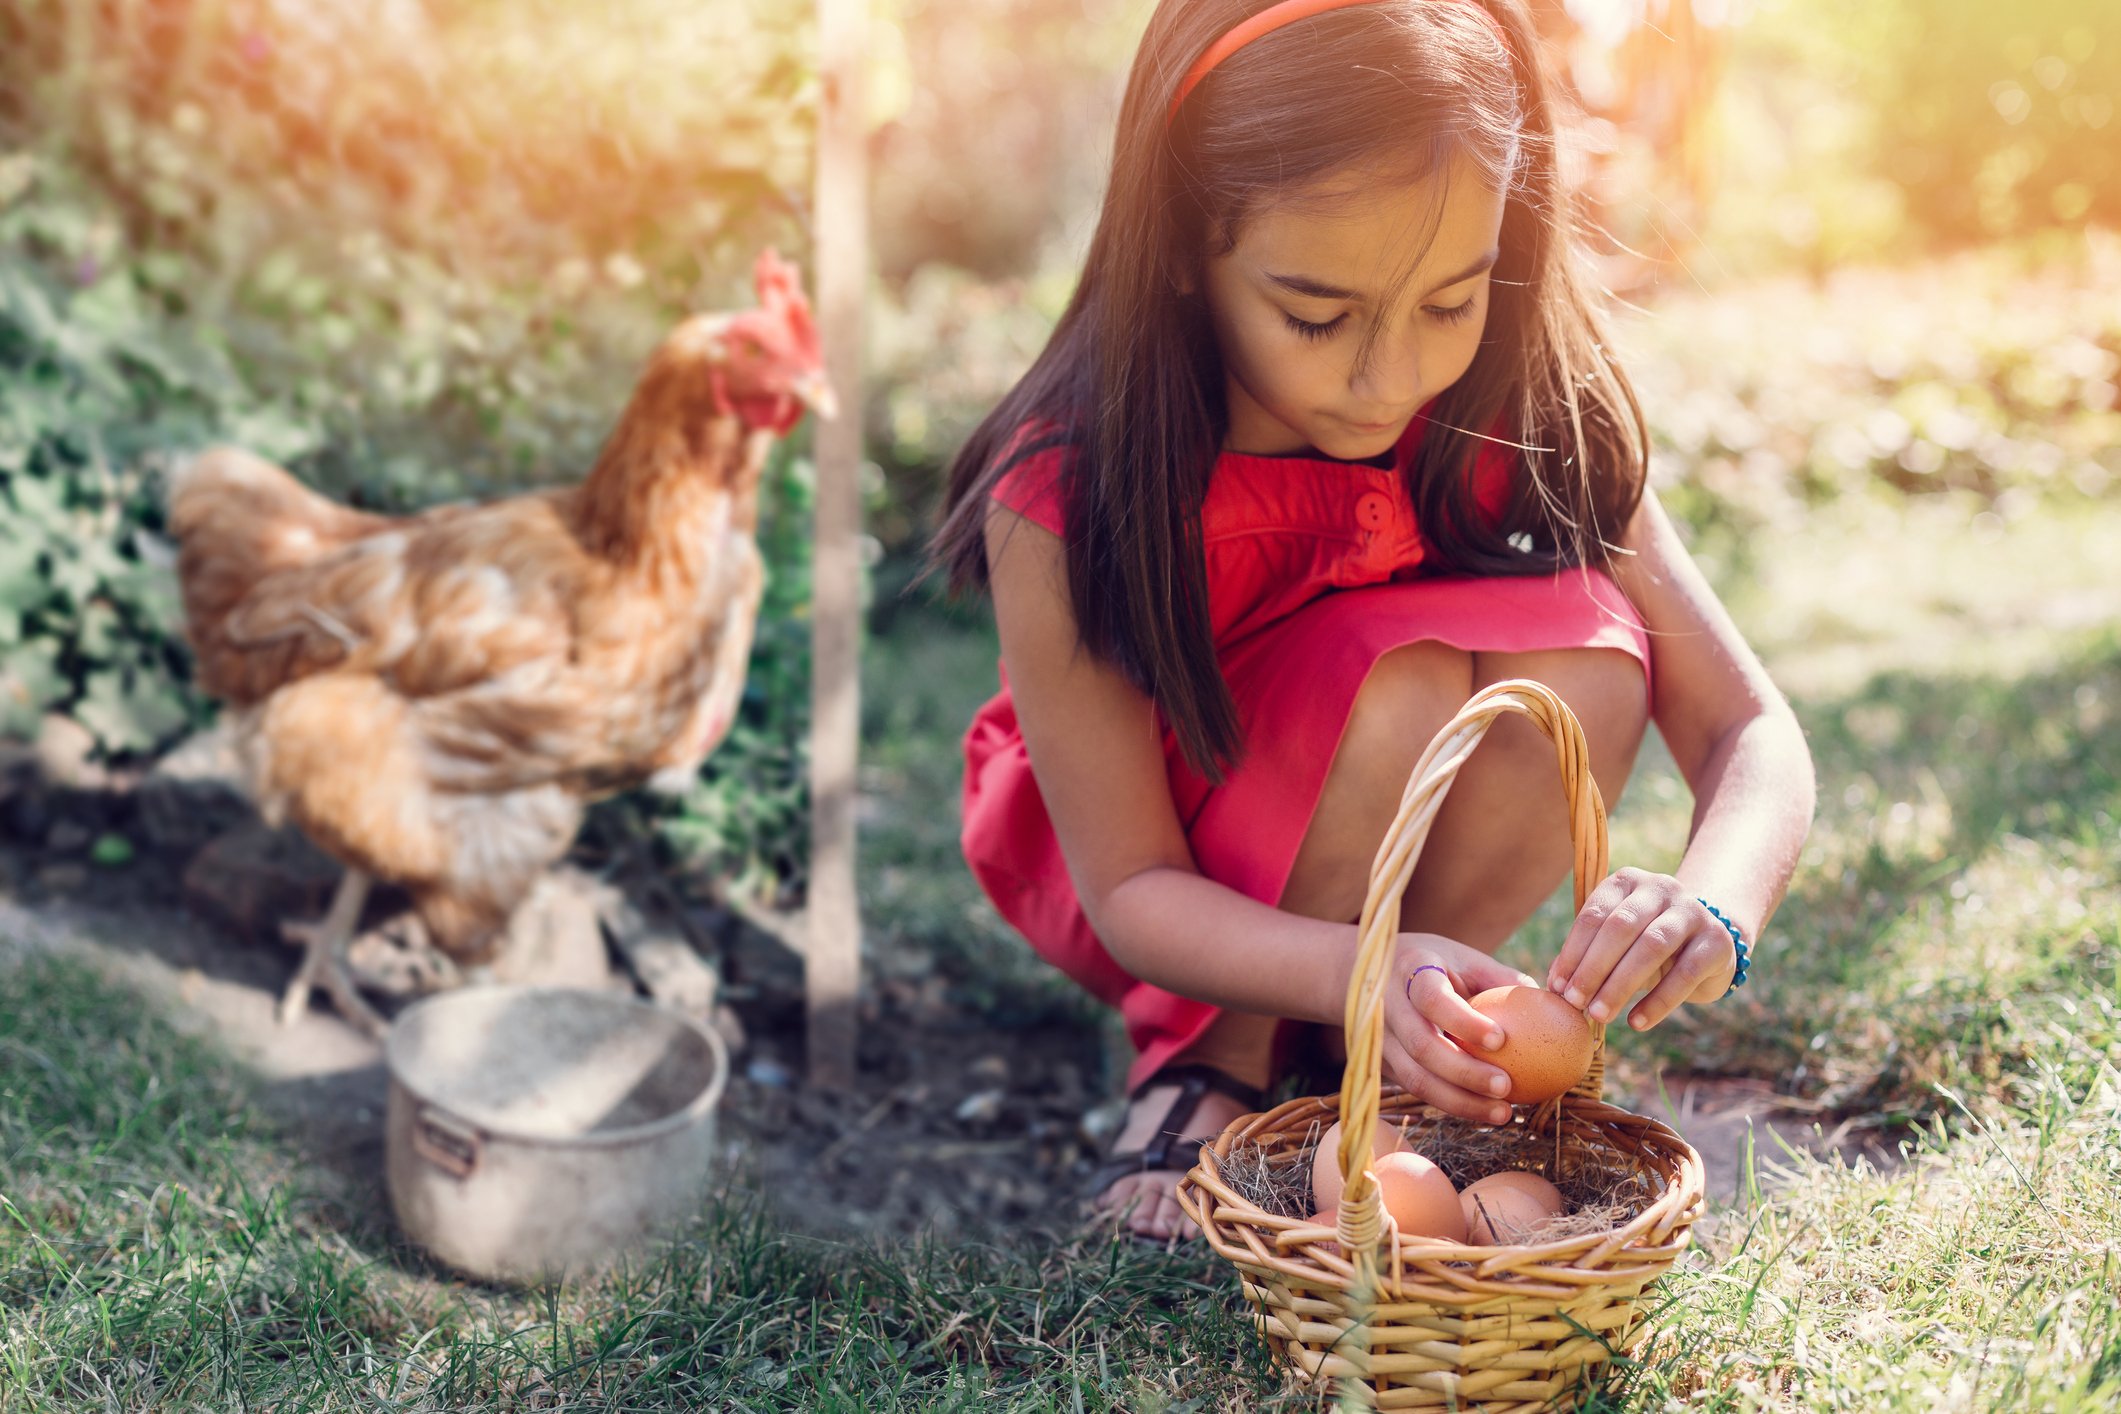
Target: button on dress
<point x="1314" y="572"/>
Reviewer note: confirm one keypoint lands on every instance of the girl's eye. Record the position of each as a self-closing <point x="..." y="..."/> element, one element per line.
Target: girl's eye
<point x="1457" y="313"/>
<point x="1309" y="330"/>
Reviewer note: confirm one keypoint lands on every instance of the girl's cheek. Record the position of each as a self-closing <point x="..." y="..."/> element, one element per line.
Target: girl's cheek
<point x="1464" y="347"/>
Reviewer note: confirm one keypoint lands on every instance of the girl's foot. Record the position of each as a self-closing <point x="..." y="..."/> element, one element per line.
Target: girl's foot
<point x="1180" y="1104"/>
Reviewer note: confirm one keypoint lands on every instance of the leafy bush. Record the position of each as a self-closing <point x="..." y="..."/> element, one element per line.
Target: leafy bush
<point x="412" y="264"/>
<point x="1871" y="131"/>
<point x="90" y="394"/>
<point x="1993" y="373"/>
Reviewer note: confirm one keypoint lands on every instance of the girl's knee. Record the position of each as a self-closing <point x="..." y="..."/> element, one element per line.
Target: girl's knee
<point x="1409" y="693"/>
<point x="1605" y="684"/>
<point x="1604" y="687"/>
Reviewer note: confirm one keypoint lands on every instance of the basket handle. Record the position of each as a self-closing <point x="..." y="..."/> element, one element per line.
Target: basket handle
<point x="1361" y="1220"/>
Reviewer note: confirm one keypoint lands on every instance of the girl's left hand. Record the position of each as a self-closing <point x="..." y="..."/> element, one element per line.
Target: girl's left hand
<point x="1639" y="931"/>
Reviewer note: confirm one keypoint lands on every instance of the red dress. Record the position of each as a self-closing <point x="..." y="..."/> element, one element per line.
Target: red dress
<point x="1314" y="571"/>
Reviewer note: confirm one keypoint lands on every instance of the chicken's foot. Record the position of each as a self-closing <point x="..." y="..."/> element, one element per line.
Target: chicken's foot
<point x="324" y="961"/>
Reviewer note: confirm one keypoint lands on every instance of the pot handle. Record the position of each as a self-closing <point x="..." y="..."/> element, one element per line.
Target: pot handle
<point x="450" y="1144"/>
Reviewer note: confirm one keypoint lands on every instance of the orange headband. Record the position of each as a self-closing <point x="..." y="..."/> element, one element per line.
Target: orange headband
<point x="1273" y="18"/>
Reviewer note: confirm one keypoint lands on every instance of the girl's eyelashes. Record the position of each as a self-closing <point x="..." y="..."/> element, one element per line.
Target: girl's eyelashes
<point x="1306" y="329"/>
<point x="1457" y="313"/>
<point x="1452" y="314"/>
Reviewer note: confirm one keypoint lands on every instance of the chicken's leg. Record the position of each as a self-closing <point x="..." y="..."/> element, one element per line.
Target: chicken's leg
<point x="324" y="960"/>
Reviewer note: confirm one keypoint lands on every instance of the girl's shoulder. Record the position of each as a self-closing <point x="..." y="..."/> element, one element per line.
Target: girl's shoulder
<point x="1033" y="461"/>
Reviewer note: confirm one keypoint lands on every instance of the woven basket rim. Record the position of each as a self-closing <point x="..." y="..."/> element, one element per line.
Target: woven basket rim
<point x="1684" y="1186"/>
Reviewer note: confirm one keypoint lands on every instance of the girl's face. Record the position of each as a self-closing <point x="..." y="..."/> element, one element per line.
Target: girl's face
<point x="1302" y="290"/>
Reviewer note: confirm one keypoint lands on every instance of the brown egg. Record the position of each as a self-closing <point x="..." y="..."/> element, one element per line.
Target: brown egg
<point x="1419" y="1198"/>
<point x="1547" y="1043"/>
<point x="1325" y="1164"/>
<point x="1505" y="1207"/>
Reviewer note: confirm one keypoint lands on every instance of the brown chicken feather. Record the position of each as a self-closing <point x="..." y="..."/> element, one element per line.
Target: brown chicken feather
<point x="434" y="698"/>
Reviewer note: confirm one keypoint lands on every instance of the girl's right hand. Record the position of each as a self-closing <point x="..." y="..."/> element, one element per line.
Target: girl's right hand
<point x="1433" y="1038"/>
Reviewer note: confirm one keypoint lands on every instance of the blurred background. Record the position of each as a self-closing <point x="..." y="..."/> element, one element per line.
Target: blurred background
<point x="416" y="248"/>
<point x="1863" y="264"/>
<point x="1863" y="260"/>
<point x="1865" y="268"/>
<point x="415" y="252"/>
<point x="1716" y="142"/>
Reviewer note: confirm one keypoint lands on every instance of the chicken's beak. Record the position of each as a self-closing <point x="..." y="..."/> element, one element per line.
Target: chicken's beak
<point x="816" y="395"/>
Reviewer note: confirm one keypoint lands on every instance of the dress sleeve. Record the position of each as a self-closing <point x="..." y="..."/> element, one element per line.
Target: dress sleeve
<point x="1032" y="488"/>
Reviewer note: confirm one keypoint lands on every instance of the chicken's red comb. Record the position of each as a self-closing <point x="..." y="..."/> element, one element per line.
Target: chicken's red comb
<point x="780" y="290"/>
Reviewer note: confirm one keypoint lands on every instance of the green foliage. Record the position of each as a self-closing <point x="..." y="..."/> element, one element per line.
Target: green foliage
<point x="499" y="139"/>
<point x="414" y="253"/>
<point x="89" y="618"/>
<point x="1869" y="131"/>
<point x="454" y="296"/>
<point x="1991" y="374"/>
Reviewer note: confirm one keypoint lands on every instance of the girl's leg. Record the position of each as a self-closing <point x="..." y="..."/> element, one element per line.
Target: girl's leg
<point x="1499" y="845"/>
<point x="1410" y="693"/>
<point x="1501" y="842"/>
<point x="1412" y="690"/>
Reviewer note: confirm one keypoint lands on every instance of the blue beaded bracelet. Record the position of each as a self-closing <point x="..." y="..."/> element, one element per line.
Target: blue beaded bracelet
<point x="1745" y="963"/>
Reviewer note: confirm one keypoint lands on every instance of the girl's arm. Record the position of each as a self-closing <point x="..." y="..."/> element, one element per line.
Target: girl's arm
<point x="1097" y="753"/>
<point x="1098" y="756"/>
<point x="1744" y="756"/>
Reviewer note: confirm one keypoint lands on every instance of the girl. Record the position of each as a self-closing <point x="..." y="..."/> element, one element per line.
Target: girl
<point x="1327" y="439"/>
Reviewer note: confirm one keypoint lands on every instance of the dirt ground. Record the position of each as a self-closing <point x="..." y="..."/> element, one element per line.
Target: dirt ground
<point x="953" y="1123"/>
<point x="962" y="1123"/>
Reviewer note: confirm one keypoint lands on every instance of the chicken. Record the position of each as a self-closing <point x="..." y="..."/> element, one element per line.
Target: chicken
<point x="434" y="699"/>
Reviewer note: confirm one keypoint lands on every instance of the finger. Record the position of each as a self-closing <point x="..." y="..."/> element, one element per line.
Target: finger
<point x="1648" y="959"/>
<point x="1438" y="1003"/>
<point x="1399" y="1067"/>
<point x="1600" y="902"/>
<point x="1447" y="1059"/>
<point x="1480" y="974"/>
<point x="1433" y="1089"/>
<point x="1618" y="927"/>
<point x="1701" y="961"/>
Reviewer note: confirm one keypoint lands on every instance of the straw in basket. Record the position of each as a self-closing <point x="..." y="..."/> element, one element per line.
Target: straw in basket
<point x="1399" y="1321"/>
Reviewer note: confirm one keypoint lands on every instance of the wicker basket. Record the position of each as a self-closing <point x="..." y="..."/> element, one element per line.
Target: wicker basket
<point x="1410" y="1322"/>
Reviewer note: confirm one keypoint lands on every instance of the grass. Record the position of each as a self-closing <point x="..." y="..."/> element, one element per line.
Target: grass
<point x="1982" y="1275"/>
<point x="160" y="1249"/>
<point x="161" y="1246"/>
<point x="1944" y="972"/>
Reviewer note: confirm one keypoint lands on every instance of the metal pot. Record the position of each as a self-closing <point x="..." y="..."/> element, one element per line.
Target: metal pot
<point x="536" y="1133"/>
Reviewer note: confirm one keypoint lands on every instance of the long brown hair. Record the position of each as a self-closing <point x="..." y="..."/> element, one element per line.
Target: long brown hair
<point x="1132" y="377"/>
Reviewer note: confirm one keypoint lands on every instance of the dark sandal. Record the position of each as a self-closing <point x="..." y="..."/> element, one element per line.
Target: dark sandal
<point x="1167" y="1152"/>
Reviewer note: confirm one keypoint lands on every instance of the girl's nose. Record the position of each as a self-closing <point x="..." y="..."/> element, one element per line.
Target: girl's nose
<point x="1391" y="375"/>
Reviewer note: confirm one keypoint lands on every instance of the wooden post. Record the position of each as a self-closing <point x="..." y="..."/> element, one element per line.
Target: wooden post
<point x="833" y="923"/>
